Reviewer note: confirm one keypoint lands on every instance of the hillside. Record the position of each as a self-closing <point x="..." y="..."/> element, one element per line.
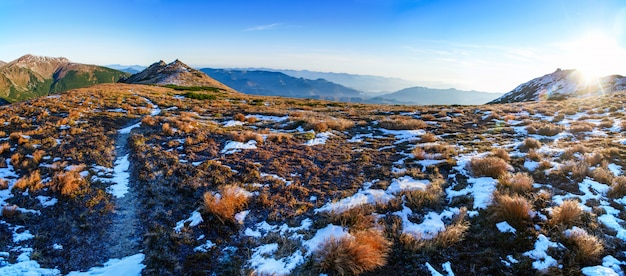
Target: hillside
<point x="150" y="179"/>
<point x="33" y="76"/>
<point x="257" y="82"/>
<point x="2" y="63"/>
<point x="174" y="73"/>
<point x="431" y="96"/>
<point x="563" y="84"/>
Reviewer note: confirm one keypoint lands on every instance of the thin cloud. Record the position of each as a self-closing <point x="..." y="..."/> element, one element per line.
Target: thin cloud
<point x="265" y="27"/>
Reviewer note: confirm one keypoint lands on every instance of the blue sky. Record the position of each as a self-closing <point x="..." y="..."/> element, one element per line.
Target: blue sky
<point x="486" y="45"/>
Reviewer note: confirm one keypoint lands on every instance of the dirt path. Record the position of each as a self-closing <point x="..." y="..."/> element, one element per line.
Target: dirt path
<point x="126" y="228"/>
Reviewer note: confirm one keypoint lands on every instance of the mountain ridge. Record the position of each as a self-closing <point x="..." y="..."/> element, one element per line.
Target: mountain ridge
<point x="31" y="76"/>
<point x="562" y="84"/>
<point x="432" y="96"/>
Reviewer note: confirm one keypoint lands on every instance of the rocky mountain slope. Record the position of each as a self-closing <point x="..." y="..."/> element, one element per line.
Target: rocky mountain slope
<point x="431" y="96"/>
<point x="32" y="76"/>
<point x="562" y="84"/>
<point x="176" y="73"/>
<point x="258" y="82"/>
<point x="2" y="63"/>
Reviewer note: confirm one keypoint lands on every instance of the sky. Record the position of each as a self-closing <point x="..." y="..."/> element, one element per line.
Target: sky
<point x="483" y="45"/>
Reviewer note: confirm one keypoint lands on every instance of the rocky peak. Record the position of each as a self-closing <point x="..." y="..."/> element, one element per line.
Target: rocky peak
<point x="177" y="73"/>
<point x="29" y="59"/>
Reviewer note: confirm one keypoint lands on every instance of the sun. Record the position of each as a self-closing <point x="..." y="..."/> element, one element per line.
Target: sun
<point x="594" y="54"/>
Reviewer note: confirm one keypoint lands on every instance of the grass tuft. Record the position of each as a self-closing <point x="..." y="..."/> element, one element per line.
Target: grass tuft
<point x="353" y="255"/>
<point x="226" y="203"/>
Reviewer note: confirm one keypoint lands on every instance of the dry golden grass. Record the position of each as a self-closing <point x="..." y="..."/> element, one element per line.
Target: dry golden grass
<point x="226" y="203"/>
<point x="4" y="184"/>
<point x="428" y="137"/>
<point x="549" y="130"/>
<point x="432" y="197"/>
<point x="577" y="170"/>
<point x="602" y="175"/>
<point x="32" y="182"/>
<point x="567" y="215"/>
<point x="488" y="166"/>
<point x="364" y="251"/>
<point x="514" y="209"/>
<point x="400" y="123"/>
<point x="530" y="143"/>
<point x="454" y="233"/>
<point x="239" y="117"/>
<point x="501" y="153"/>
<point x="519" y="183"/>
<point x="68" y="183"/>
<point x="618" y="187"/>
<point x="587" y="248"/>
<point x="579" y="127"/>
<point x="5" y="147"/>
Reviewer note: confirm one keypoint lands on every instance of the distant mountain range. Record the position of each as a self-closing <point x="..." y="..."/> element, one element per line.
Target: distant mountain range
<point x="268" y="83"/>
<point x="366" y="83"/>
<point x="431" y="96"/>
<point x="562" y="84"/>
<point x="176" y="73"/>
<point x="32" y="76"/>
<point x="132" y="69"/>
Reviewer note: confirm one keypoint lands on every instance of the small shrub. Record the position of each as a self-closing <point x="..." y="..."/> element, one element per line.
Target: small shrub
<point x="618" y="187"/>
<point x="10" y="211"/>
<point x="501" y="153"/>
<point x="513" y="209"/>
<point x="602" y="175"/>
<point x="587" y="248"/>
<point x="530" y="143"/>
<point x="432" y="197"/>
<point x="549" y="130"/>
<point x="68" y="183"/>
<point x="488" y="166"/>
<point x="428" y="138"/>
<point x="5" y="147"/>
<point x="32" y="182"/>
<point x="226" y="203"/>
<point x="519" y="183"/>
<point x="566" y="215"/>
<point x="352" y="255"/>
<point x="239" y="117"/>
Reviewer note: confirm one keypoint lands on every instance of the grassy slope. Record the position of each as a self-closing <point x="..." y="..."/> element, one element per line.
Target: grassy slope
<point x="178" y="159"/>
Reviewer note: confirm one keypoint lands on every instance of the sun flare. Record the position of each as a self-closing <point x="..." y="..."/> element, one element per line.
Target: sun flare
<point x="594" y="54"/>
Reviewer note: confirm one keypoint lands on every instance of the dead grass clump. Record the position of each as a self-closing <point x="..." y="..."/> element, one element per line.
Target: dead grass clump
<point x="587" y="248"/>
<point x="352" y="255"/>
<point x="602" y="175"/>
<point x="594" y="159"/>
<point x="226" y="203"/>
<point x="4" y="184"/>
<point x="488" y="166"/>
<point x="5" y="147"/>
<point x="340" y="124"/>
<point x="10" y="211"/>
<point x="431" y="197"/>
<point x="38" y="155"/>
<point x="519" y="183"/>
<point x="566" y="215"/>
<point x="245" y="136"/>
<point x="501" y="153"/>
<point x="577" y="170"/>
<point x="530" y="143"/>
<point x="428" y="137"/>
<point x="400" y="123"/>
<point x="549" y="130"/>
<point x="453" y="233"/>
<point x="579" y="127"/>
<point x="68" y="183"/>
<point x="32" y="182"/>
<point x="239" y="117"/>
<point x="514" y="209"/>
<point x="618" y="187"/>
